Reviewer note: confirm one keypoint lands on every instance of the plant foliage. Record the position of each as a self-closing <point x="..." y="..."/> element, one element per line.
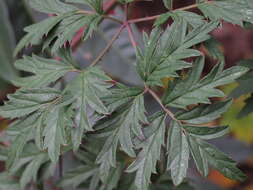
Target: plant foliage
<point x="117" y="143"/>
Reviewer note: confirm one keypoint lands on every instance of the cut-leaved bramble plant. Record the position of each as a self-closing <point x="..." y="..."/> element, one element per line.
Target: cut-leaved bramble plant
<point x="117" y="142"/>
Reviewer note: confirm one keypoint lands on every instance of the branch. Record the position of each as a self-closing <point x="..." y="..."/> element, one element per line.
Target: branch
<point x="132" y="21"/>
<point x="166" y="110"/>
<point x="109" y="45"/>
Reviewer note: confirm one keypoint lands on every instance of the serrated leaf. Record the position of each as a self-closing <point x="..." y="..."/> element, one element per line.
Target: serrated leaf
<point x="145" y="164"/>
<point x="205" y="113"/>
<point x="207" y="132"/>
<point x="97" y="5"/>
<point x="37" y="31"/>
<point x="198" y="156"/>
<point x="54" y="133"/>
<point x="127" y="125"/>
<point x="88" y="88"/>
<point x="193" y="89"/>
<point x="221" y="162"/>
<point x="7" y="43"/>
<point x="51" y="6"/>
<point x="45" y="71"/>
<point x="27" y="101"/>
<point x="234" y="11"/>
<point x="178" y="150"/>
<point x="77" y="176"/>
<point x="164" y="53"/>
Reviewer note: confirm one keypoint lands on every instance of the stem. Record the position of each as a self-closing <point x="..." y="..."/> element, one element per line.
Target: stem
<point x="109" y="45"/>
<point x="157" y="16"/>
<point x="167" y="111"/>
<point x="131" y="35"/>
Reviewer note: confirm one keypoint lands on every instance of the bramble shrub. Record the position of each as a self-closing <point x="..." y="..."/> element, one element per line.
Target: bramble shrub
<point x="117" y="144"/>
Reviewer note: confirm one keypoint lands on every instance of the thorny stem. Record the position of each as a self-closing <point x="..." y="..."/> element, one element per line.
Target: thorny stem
<point x="109" y="45"/>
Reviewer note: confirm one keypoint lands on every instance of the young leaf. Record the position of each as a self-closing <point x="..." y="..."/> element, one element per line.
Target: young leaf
<point x="193" y="89"/>
<point x="145" y="164"/>
<point x="178" y="150"/>
<point x="46" y="71"/>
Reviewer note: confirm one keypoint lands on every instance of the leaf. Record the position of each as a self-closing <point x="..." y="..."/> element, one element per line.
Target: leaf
<point x="168" y="4"/>
<point x="220" y="161"/>
<point x="51" y="6"/>
<point x="7" y="42"/>
<point x="127" y="125"/>
<point x="193" y="89"/>
<point x="32" y="169"/>
<point x="199" y="156"/>
<point x="234" y="11"/>
<point x="207" y="132"/>
<point x="45" y="71"/>
<point x="145" y="164"/>
<point x="68" y="28"/>
<point x="97" y="5"/>
<point x="37" y="31"/>
<point x="178" y="150"/>
<point x="21" y="131"/>
<point x="55" y="132"/>
<point x="164" y="53"/>
<point x="27" y="101"/>
<point x="77" y="176"/>
<point x="88" y="88"/>
<point x="7" y="182"/>
<point x="244" y="81"/>
<point x="205" y="113"/>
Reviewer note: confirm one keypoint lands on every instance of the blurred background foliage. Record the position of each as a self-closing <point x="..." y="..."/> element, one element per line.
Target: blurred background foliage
<point x="234" y="42"/>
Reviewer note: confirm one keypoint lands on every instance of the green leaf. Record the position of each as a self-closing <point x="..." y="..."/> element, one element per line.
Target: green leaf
<point x="207" y="132"/>
<point x="178" y="150"/>
<point x="36" y="32"/>
<point x="205" y="113"/>
<point x="199" y="156"/>
<point x="193" y="89"/>
<point x="27" y="101"/>
<point x="88" y="88"/>
<point x="51" y="6"/>
<point x="21" y="130"/>
<point x="168" y="4"/>
<point x="77" y="176"/>
<point x="70" y="26"/>
<point x="234" y="11"/>
<point x="32" y="169"/>
<point x="221" y="162"/>
<point x="127" y="125"/>
<point x="7" y="182"/>
<point x="97" y="5"/>
<point x="164" y="53"/>
<point x="7" y="43"/>
<point x="45" y="71"/>
<point x="54" y="132"/>
<point x="145" y="164"/>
